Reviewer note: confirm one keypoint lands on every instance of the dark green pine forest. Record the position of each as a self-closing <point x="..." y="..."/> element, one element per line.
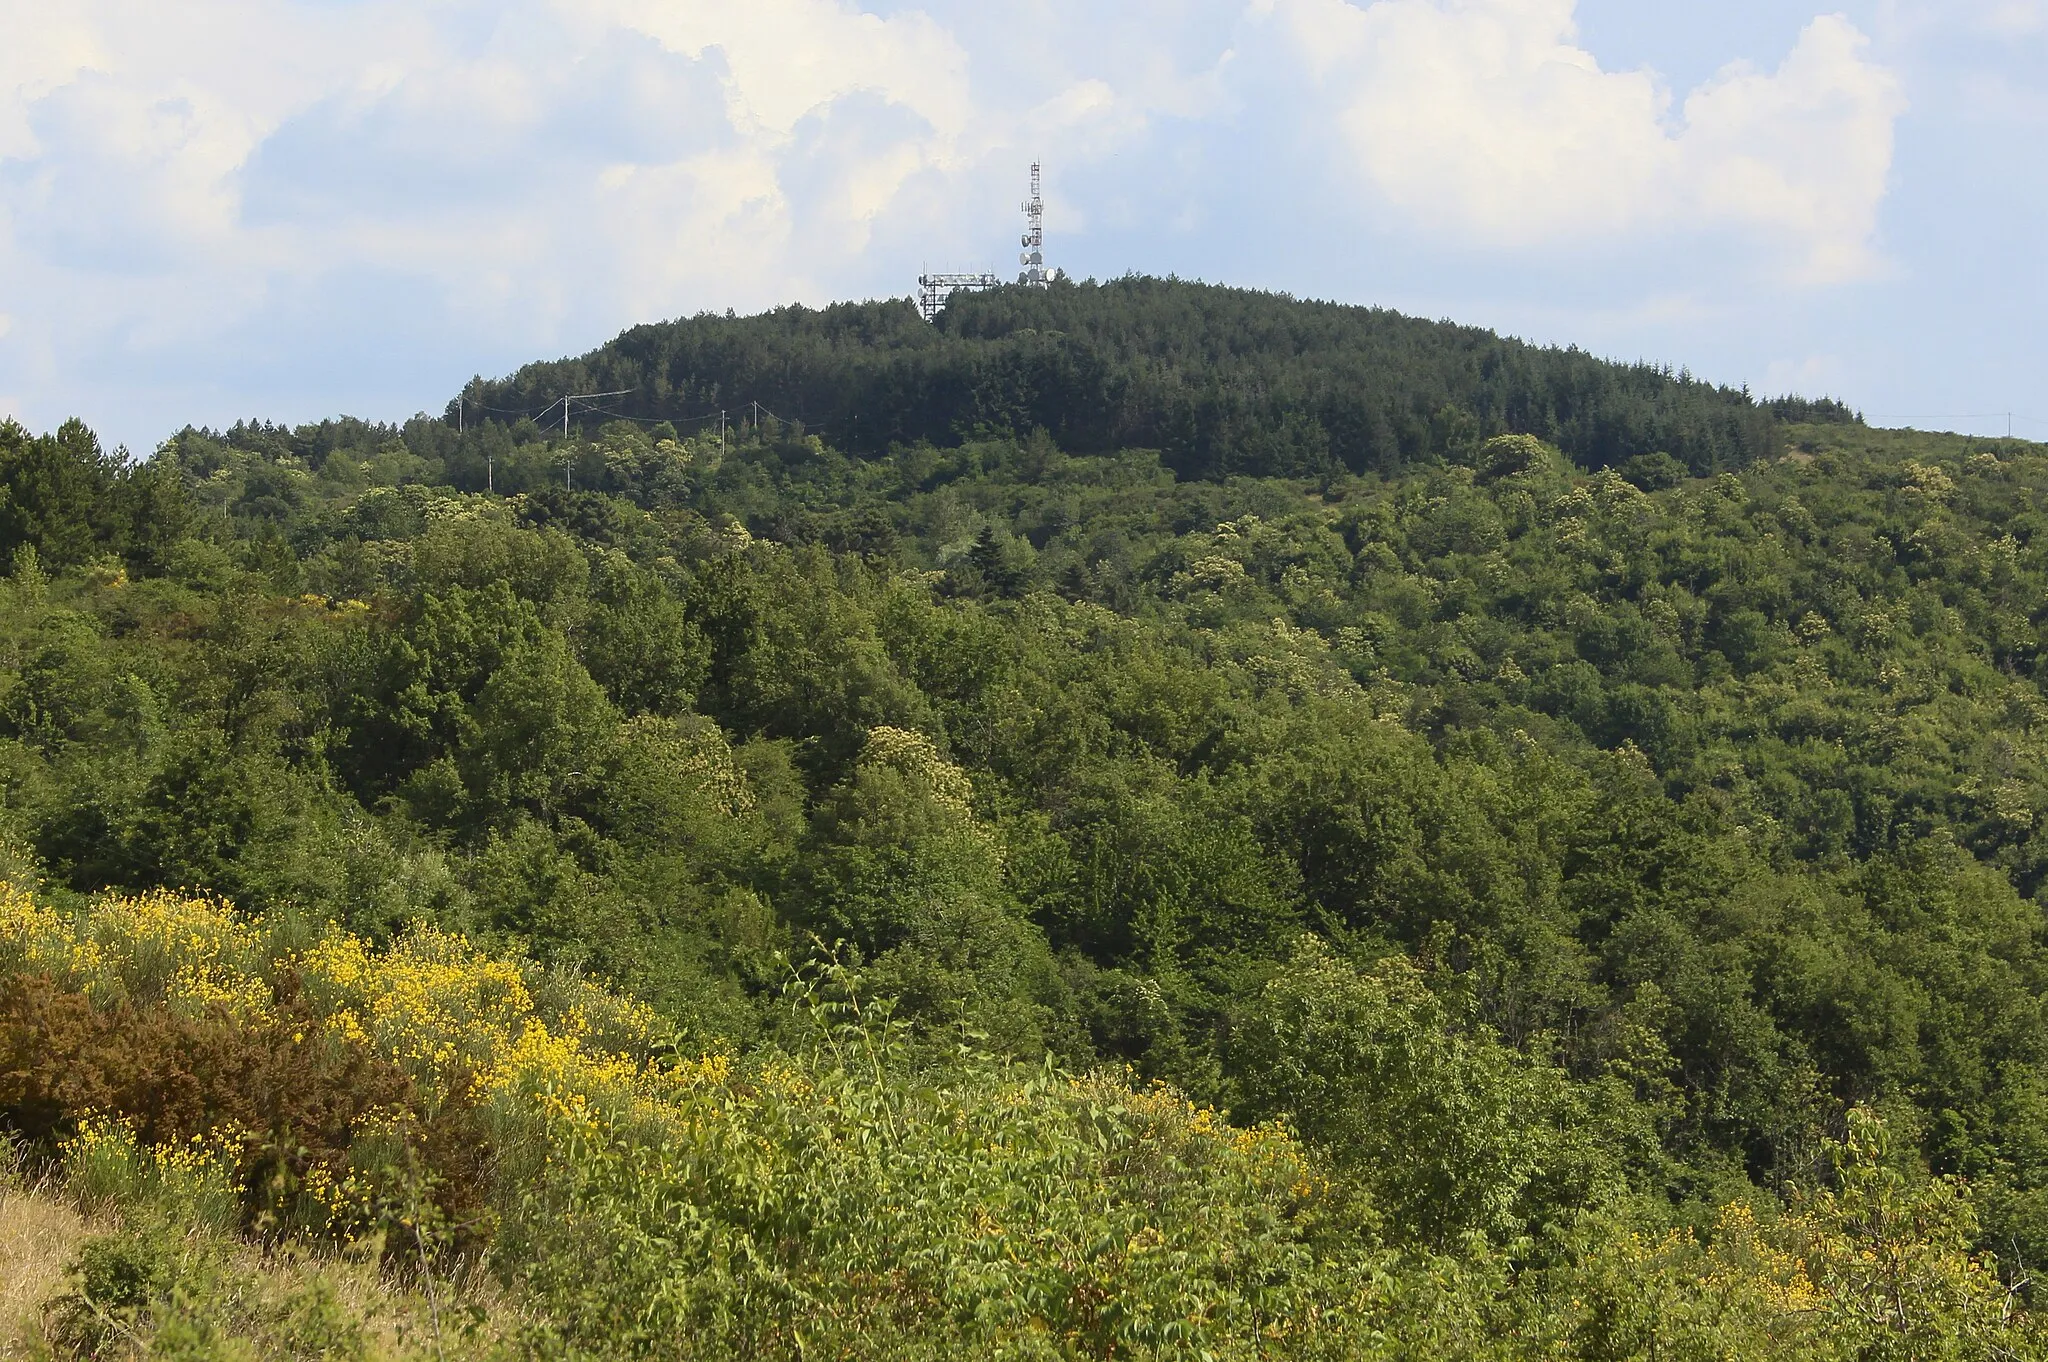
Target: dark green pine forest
<point x="1593" y="819"/>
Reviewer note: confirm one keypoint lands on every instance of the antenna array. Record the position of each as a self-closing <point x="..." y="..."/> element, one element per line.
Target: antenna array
<point x="1033" y="258"/>
<point x="934" y="289"/>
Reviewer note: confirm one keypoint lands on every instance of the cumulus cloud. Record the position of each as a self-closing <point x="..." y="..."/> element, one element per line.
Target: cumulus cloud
<point x="176" y="175"/>
<point x="1486" y="119"/>
<point x="300" y="204"/>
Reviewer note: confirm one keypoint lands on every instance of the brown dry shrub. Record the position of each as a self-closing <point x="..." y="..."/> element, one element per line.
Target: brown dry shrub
<point x="285" y="1078"/>
<point x="295" y="1089"/>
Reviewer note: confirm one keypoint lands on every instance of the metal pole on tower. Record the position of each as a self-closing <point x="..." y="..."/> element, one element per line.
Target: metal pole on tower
<point x="1033" y="258"/>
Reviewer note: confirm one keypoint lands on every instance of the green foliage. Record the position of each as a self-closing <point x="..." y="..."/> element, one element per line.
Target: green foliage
<point x="1566" y="856"/>
<point x="639" y="643"/>
<point x="69" y="501"/>
<point x="1907" y="1290"/>
<point x="1447" y="1130"/>
<point x="1223" y="381"/>
<point x="1001" y="1214"/>
<point x="153" y="1291"/>
<point x="864" y="1190"/>
<point x="120" y="1279"/>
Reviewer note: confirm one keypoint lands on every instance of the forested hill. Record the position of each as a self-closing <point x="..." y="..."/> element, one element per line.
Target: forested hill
<point x="1221" y="381"/>
<point x="473" y="893"/>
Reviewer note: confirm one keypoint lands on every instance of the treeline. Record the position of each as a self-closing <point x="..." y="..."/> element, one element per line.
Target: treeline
<point x="1221" y="381"/>
<point x="69" y="500"/>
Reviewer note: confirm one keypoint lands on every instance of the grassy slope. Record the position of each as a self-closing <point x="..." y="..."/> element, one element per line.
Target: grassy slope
<point x="39" y="1234"/>
<point x="270" y="1304"/>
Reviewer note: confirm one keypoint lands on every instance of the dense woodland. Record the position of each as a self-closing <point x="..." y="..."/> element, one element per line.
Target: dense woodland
<point x="1220" y="381"/>
<point x="1182" y="824"/>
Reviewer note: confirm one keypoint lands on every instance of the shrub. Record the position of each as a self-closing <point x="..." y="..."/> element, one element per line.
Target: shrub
<point x="191" y="1183"/>
<point x="1449" y="1130"/>
<point x="117" y="1280"/>
<point x="291" y="1088"/>
<point x="861" y="1195"/>
<point x="103" y="1167"/>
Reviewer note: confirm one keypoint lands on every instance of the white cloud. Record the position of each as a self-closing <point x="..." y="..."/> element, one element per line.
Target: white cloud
<point x="787" y="57"/>
<point x="41" y="49"/>
<point x="322" y="203"/>
<point x="538" y="170"/>
<point x="1804" y="152"/>
<point x="1485" y="118"/>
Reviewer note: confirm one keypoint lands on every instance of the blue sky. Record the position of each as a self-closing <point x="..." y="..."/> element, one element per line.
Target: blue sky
<point x="296" y="208"/>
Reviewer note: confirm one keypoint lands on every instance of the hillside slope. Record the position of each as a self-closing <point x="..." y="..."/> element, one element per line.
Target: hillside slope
<point x="1222" y="381"/>
<point x="906" y="902"/>
<point x="443" y="1111"/>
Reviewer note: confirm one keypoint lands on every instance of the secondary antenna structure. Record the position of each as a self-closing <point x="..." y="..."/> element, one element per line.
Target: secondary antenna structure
<point x="934" y="289"/>
<point x="1033" y="258"/>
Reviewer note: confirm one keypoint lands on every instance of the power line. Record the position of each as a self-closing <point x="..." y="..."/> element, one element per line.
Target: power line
<point x="657" y="420"/>
<point x="1935" y="415"/>
<point x="568" y="398"/>
<point x="590" y="409"/>
<point x="1948" y="416"/>
<point x="2011" y="418"/>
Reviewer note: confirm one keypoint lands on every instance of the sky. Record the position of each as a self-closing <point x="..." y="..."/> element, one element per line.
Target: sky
<point x="289" y="209"/>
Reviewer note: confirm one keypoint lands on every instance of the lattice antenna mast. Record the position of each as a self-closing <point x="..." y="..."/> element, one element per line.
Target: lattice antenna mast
<point x="1033" y="257"/>
<point x="934" y="289"/>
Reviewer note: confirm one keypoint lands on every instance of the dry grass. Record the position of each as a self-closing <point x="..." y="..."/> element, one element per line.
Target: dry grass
<point x="38" y="1236"/>
<point x="397" y="1320"/>
<point x="40" y="1233"/>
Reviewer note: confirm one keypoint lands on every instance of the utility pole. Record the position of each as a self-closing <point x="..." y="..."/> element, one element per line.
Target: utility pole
<point x="458" y="415"/>
<point x="490" y="472"/>
<point x="567" y="398"/>
<point x="569" y="459"/>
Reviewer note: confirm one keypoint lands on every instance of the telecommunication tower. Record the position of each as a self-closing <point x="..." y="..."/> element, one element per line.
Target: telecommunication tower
<point x="934" y="289"/>
<point x="1033" y="258"/>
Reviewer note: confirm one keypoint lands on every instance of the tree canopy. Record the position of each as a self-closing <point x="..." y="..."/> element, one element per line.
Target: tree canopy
<point x="1221" y="381"/>
<point x="1540" y="897"/>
